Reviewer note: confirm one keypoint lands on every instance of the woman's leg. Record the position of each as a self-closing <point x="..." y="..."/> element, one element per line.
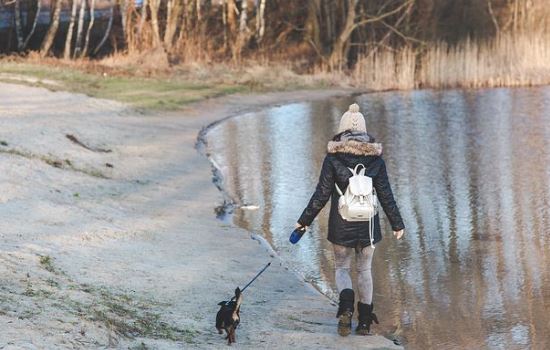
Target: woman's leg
<point x="342" y="266"/>
<point x="364" y="274"/>
<point x="346" y="304"/>
<point x="364" y="281"/>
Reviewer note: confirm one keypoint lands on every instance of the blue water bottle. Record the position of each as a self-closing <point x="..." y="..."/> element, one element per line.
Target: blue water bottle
<point x="297" y="234"/>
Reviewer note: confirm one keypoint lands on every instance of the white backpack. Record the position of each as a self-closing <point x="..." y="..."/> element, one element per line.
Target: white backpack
<point x="359" y="202"/>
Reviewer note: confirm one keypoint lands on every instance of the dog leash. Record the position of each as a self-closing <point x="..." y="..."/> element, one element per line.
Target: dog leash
<point x="258" y="275"/>
<point x="255" y="277"/>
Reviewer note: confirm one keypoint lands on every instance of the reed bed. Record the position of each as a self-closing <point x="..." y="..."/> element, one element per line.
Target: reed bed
<point x="506" y="60"/>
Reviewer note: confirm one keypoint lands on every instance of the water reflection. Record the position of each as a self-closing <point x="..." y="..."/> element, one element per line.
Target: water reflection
<point x="471" y="174"/>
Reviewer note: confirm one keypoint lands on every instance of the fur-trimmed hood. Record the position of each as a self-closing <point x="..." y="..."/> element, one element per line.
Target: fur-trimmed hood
<point x="354" y="142"/>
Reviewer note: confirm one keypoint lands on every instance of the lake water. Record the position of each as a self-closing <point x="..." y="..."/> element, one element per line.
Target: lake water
<point x="470" y="170"/>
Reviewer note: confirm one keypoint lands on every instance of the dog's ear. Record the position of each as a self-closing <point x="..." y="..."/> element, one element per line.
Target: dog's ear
<point x="237" y="291"/>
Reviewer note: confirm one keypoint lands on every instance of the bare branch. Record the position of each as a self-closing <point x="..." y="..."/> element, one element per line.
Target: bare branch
<point x="36" y="16"/>
<point x="371" y="19"/>
<point x="493" y="18"/>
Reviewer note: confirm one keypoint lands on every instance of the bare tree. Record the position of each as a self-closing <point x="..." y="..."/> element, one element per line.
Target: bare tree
<point x="70" y="31"/>
<point x="493" y="17"/>
<point x="337" y="57"/>
<point x="52" y="30"/>
<point x="90" y="26"/>
<point x="18" y="29"/>
<point x="232" y="13"/>
<point x="198" y="9"/>
<point x="244" y="32"/>
<point x="244" y="17"/>
<point x="154" y="6"/>
<point x="79" y="31"/>
<point x="174" y="8"/>
<point x="260" y="21"/>
<point x="143" y="18"/>
<point x="312" y="25"/>
<point x="35" y="21"/>
<point x="108" y="30"/>
<point x="124" y="17"/>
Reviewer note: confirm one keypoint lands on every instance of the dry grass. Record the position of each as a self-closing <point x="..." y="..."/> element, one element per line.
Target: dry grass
<point x="507" y="60"/>
<point x="147" y="80"/>
<point x="153" y="80"/>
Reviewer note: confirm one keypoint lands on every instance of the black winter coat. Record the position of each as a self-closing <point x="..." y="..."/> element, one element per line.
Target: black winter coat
<point x="347" y="150"/>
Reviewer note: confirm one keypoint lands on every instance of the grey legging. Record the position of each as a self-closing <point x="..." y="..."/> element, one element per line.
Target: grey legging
<point x="342" y="262"/>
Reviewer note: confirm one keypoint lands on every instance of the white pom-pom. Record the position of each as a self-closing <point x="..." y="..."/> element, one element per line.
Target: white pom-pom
<point x="354" y="108"/>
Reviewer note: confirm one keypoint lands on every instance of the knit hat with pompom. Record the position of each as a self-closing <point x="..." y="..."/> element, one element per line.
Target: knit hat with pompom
<point x="352" y="120"/>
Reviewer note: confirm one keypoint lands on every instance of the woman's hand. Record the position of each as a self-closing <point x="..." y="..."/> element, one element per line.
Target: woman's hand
<point x="399" y="234"/>
<point x="298" y="225"/>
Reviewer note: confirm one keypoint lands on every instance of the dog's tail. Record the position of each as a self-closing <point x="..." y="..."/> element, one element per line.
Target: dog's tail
<point x="238" y="297"/>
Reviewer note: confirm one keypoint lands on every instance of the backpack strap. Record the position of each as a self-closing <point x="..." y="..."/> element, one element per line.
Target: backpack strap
<point x="356" y="172"/>
<point x="338" y="189"/>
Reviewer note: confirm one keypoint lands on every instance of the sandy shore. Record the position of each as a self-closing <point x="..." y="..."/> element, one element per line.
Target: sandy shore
<point x="113" y="242"/>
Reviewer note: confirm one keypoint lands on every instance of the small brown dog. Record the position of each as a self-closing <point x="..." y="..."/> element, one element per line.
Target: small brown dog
<point x="228" y="317"/>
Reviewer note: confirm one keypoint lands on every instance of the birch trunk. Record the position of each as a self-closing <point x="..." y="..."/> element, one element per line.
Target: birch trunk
<point x="108" y="30"/>
<point x="78" y="45"/>
<point x="89" y="30"/>
<point x="260" y="21"/>
<point x="199" y="15"/>
<point x="244" y="33"/>
<point x="70" y="31"/>
<point x="18" y="28"/>
<point x="244" y="17"/>
<point x="52" y="30"/>
<point x="36" y="16"/>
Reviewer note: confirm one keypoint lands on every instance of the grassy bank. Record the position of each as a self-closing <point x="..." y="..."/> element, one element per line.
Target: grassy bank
<point x="163" y="92"/>
<point x="153" y="89"/>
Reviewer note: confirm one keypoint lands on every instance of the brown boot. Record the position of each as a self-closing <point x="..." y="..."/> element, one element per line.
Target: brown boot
<point x="345" y="311"/>
<point x="366" y="318"/>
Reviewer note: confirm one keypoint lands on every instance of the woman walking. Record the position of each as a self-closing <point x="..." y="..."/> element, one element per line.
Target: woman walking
<point x="349" y="151"/>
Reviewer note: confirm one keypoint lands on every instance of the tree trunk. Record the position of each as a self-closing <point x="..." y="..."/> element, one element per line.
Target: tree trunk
<point x="232" y="16"/>
<point x="244" y="17"/>
<point x="172" y="21"/>
<point x="313" y="31"/>
<point x="143" y="18"/>
<point x="223" y="3"/>
<point x="90" y="26"/>
<point x="260" y="21"/>
<point x="199" y="14"/>
<point x="244" y="32"/>
<point x="124" y="18"/>
<point x="154" y="6"/>
<point x="78" y="45"/>
<point x="18" y="26"/>
<point x="108" y="30"/>
<point x="52" y="31"/>
<point x="36" y="15"/>
<point x="70" y="31"/>
<point x="329" y="21"/>
<point x="337" y="59"/>
<point x="35" y="21"/>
